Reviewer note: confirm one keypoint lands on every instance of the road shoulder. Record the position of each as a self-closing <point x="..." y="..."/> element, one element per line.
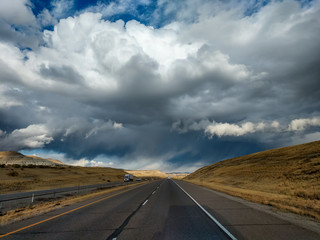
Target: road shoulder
<point x="239" y="214"/>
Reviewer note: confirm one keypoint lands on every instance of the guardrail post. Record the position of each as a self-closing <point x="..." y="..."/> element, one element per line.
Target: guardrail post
<point x="32" y="199"/>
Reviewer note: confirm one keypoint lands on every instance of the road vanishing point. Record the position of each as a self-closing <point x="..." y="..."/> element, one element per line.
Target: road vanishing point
<point x="165" y="209"/>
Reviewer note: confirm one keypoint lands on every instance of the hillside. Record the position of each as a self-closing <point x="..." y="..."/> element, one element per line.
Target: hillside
<point x="148" y="173"/>
<point x="11" y="158"/>
<point x="287" y="178"/>
<point x="26" y="173"/>
<point x="177" y="175"/>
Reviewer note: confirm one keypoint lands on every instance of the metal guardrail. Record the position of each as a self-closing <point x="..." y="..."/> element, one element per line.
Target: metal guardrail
<point x="20" y="200"/>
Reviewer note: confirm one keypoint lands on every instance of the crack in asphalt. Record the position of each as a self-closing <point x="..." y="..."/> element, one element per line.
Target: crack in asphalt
<point x="117" y="232"/>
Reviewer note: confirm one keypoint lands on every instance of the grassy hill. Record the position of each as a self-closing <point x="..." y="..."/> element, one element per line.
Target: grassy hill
<point x="26" y="173"/>
<point x="11" y="158"/>
<point x="287" y="178"/>
<point x="147" y="173"/>
<point x="177" y="175"/>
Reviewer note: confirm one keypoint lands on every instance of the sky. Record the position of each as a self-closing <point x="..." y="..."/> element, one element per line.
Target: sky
<point x="157" y="84"/>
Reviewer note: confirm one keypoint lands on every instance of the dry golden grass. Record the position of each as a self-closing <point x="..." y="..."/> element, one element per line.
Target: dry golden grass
<point x="11" y="157"/>
<point x="286" y="178"/>
<point x="17" y="178"/>
<point x="35" y="210"/>
<point x="177" y="175"/>
<point x="147" y="173"/>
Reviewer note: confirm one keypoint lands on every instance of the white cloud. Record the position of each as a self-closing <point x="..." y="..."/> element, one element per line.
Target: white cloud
<point x="87" y="163"/>
<point x="17" y="12"/>
<point x="226" y="129"/>
<point x="96" y="57"/>
<point x="33" y="136"/>
<point x="61" y="8"/>
<point x="275" y="124"/>
<point x="46" y="19"/>
<point x="107" y="126"/>
<point x="303" y="123"/>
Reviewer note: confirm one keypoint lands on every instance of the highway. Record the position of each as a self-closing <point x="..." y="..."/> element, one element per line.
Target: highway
<point x="156" y="210"/>
<point x="4" y="197"/>
<point x="21" y="199"/>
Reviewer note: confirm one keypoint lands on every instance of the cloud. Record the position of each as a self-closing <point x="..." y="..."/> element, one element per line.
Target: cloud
<point x="7" y="99"/>
<point x="17" y="12"/>
<point x="61" y="8"/>
<point x="226" y="129"/>
<point x="89" y="163"/>
<point x="109" y="125"/>
<point x="33" y="136"/>
<point x="303" y="123"/>
<point x="99" y="161"/>
<point x="154" y="91"/>
<point x="46" y="19"/>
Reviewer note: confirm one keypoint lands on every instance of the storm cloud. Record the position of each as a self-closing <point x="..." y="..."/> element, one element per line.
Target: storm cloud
<point x="174" y="87"/>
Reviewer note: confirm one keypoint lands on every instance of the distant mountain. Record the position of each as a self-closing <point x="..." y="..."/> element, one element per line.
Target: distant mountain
<point x="11" y="157"/>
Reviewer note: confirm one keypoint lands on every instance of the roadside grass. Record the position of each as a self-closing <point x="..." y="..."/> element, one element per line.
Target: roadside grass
<point x="41" y="208"/>
<point x="285" y="178"/>
<point x="15" y="178"/>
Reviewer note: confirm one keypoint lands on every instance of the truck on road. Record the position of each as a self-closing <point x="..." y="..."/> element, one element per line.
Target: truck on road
<point x="128" y="178"/>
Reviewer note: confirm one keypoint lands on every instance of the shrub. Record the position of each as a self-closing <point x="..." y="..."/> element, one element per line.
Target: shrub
<point x="31" y="166"/>
<point x="13" y="173"/>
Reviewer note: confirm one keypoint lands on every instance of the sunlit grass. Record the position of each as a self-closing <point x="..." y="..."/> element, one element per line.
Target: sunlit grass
<point x="286" y="178"/>
<point x="16" y="178"/>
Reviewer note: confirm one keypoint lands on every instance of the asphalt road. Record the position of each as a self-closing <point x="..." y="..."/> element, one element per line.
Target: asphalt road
<point x="158" y="210"/>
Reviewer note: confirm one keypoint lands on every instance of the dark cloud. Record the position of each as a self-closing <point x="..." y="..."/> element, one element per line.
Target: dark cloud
<point x="64" y="74"/>
<point x="212" y="81"/>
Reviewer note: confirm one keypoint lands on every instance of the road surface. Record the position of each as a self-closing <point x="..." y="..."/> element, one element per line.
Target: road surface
<point x="157" y="210"/>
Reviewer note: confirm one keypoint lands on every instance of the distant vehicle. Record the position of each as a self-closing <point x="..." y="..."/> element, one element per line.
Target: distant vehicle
<point x="128" y="178"/>
<point x="138" y="179"/>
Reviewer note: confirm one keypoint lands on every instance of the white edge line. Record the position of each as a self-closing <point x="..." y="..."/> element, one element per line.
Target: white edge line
<point x="153" y="192"/>
<point x="208" y="214"/>
<point x="145" y="202"/>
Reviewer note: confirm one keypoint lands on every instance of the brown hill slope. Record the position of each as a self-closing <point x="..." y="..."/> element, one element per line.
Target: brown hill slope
<point x="11" y="157"/>
<point x="148" y="173"/>
<point x="287" y="178"/>
<point x="26" y="173"/>
<point x="15" y="178"/>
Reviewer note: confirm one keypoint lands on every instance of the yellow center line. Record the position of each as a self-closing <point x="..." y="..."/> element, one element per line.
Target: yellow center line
<point x="59" y="215"/>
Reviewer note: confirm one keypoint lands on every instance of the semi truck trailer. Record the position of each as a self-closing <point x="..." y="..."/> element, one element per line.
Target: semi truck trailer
<point x="128" y="178"/>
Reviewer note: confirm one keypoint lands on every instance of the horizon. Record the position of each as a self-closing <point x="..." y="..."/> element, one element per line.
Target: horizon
<point x="157" y="84"/>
